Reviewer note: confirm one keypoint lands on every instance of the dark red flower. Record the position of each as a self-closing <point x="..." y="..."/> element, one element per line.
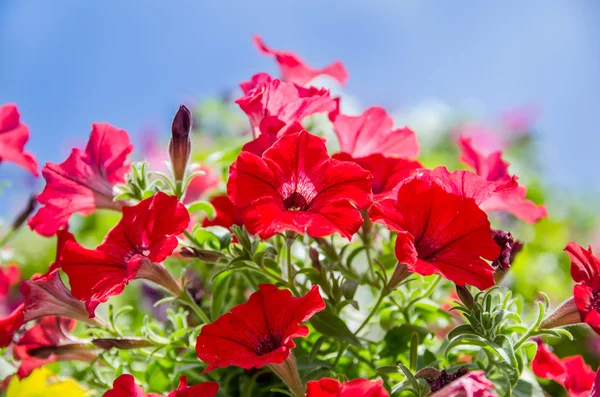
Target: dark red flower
<point x="388" y="172"/>
<point x="296" y="186"/>
<point x="226" y="215"/>
<point x="572" y="373"/>
<point x="264" y="96"/>
<point x="13" y="137"/>
<point x="294" y="70"/>
<point x="372" y="133"/>
<point x="472" y="384"/>
<point x="9" y="325"/>
<point x="84" y="181"/>
<point x="124" y="386"/>
<point x="145" y="236"/>
<point x="585" y="271"/>
<point x="494" y="169"/>
<point x="260" y="331"/>
<point x="46" y="342"/>
<point x="328" y="387"/>
<point x="440" y="232"/>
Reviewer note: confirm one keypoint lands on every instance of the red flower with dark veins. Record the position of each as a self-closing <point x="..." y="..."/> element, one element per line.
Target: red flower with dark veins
<point x="296" y="186"/>
<point x="124" y="386"/>
<point x="372" y="133"/>
<point x="439" y="232"/>
<point x="260" y="331"/>
<point x="494" y="169"/>
<point x="294" y="70"/>
<point x="48" y="341"/>
<point x="388" y="172"/>
<point x="13" y="137"/>
<point x="84" y="181"/>
<point x="226" y="215"/>
<point x="146" y="235"/>
<point x="327" y="387"/>
<point x="264" y="96"/>
<point x="572" y="373"/>
<point x="585" y="271"/>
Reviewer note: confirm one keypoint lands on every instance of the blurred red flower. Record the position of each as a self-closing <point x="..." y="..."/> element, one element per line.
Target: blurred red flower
<point x="226" y="215"/>
<point x="84" y="181"/>
<point x="296" y="186"/>
<point x="260" y="331"/>
<point x="585" y="271"/>
<point x="327" y="387"/>
<point x="13" y="137"/>
<point x="124" y="386"/>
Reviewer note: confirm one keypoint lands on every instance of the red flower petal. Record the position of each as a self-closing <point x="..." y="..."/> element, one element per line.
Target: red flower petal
<point x="288" y="102"/>
<point x="585" y="267"/>
<point x="9" y="325"/>
<point x="147" y="233"/>
<point x="327" y="387"/>
<point x="297" y="186"/>
<point x="260" y="331"/>
<point x="227" y="214"/>
<point x="371" y="133"/>
<point x="206" y="389"/>
<point x="271" y="129"/>
<point x="13" y="137"/>
<point x="9" y="276"/>
<point x="451" y="234"/>
<point x="124" y="386"/>
<point x="547" y="365"/>
<point x="84" y="181"/>
<point x="294" y="70"/>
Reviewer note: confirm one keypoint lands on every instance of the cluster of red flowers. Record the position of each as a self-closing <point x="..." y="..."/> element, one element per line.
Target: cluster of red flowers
<point x="283" y="181"/>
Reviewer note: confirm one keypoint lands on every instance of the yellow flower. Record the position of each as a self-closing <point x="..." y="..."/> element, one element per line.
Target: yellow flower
<point x="43" y="383"/>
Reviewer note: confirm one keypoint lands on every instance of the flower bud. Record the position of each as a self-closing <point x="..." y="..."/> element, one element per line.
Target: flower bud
<point x="180" y="145"/>
<point x="121" y="343"/>
<point x="204" y="255"/>
<point x="566" y="314"/>
<point x="465" y="296"/>
<point x="400" y="274"/>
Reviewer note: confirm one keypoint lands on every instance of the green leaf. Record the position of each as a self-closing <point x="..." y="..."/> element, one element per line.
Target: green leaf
<point x="349" y="288"/>
<point x="398" y="339"/>
<point x="203" y="206"/>
<point x="220" y="288"/>
<point x="460" y="330"/>
<point x="328" y="324"/>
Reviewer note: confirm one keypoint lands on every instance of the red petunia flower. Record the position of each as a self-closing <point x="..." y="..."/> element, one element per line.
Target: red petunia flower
<point x="494" y="169"/>
<point x="260" y="331"/>
<point x="84" y="181"/>
<point x="327" y="387"/>
<point x="294" y="70"/>
<point x="13" y="137"/>
<point x="388" y="172"/>
<point x="372" y="133"/>
<point x="124" y="386"/>
<point x="9" y="325"/>
<point x="296" y="186"/>
<point x="264" y="96"/>
<point x="472" y="384"/>
<point x="585" y="271"/>
<point x="572" y="373"/>
<point x="146" y="235"/>
<point x="46" y="342"/>
<point x="271" y="129"/>
<point x="440" y="232"/>
<point x="226" y="215"/>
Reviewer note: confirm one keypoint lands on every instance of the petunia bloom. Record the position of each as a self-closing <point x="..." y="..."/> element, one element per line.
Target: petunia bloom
<point x="288" y="102"/>
<point x="84" y="181"/>
<point x="146" y="235"/>
<point x="388" y="172"/>
<point x="296" y="186"/>
<point x="494" y="169"/>
<point x="572" y="373"/>
<point x="372" y="133"/>
<point x="470" y="384"/>
<point x="260" y="331"/>
<point x="294" y="70"/>
<point x="328" y="387"/>
<point x="440" y="232"/>
<point x="585" y="271"/>
<point x="46" y="342"/>
<point x="226" y="214"/>
<point x="13" y="137"/>
<point x="124" y="386"/>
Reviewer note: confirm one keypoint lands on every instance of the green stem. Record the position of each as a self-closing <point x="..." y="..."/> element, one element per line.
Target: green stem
<point x="192" y="239"/>
<point x="341" y="352"/>
<point x="290" y="267"/>
<point x="7" y="237"/>
<point x="187" y="300"/>
<point x="382" y="295"/>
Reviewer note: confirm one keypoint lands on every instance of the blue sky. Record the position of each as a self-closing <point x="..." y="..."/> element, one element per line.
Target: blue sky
<point x="68" y="63"/>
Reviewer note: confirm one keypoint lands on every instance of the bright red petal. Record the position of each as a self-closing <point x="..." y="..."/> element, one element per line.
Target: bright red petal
<point x="207" y="389"/>
<point x="327" y="387"/>
<point x="9" y="325"/>
<point x="490" y="167"/>
<point x="373" y="133"/>
<point x="260" y="331"/>
<point x="13" y="137"/>
<point x="226" y="215"/>
<point x="580" y="377"/>
<point x="124" y="386"/>
<point x="547" y="365"/>
<point x="84" y="181"/>
<point x="585" y="267"/>
<point x="294" y="70"/>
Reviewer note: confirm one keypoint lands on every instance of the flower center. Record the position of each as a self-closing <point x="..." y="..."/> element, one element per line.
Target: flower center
<point x="268" y="344"/>
<point x="444" y="378"/>
<point x="296" y="202"/>
<point x="596" y="300"/>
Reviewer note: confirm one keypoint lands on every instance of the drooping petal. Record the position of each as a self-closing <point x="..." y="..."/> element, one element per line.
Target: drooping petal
<point x="490" y="167"/>
<point x="9" y="325"/>
<point x="585" y="267"/>
<point x="373" y="133"/>
<point x="260" y="331"/>
<point x="328" y="387"/>
<point x="84" y="181"/>
<point x="294" y="70"/>
<point x="13" y="137"/>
